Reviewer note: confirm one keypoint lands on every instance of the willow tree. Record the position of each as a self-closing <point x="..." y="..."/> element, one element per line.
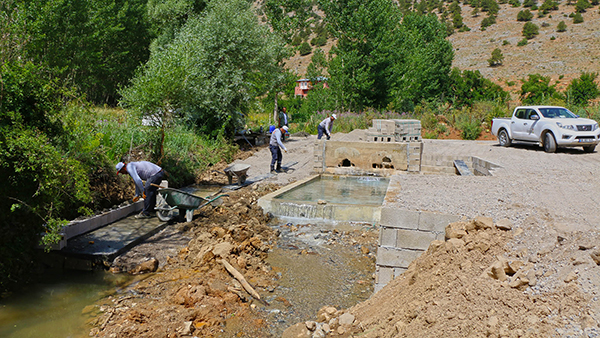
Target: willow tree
<point x="210" y="74"/>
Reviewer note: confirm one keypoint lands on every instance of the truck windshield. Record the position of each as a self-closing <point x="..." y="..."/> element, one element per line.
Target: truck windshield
<point x="557" y="113"/>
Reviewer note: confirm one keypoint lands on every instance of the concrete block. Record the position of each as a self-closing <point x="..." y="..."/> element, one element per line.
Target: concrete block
<point x="387" y="236"/>
<point x="397" y="258"/>
<point x="384" y="275"/>
<point x="398" y="271"/>
<point x="430" y="221"/>
<point x="399" y="218"/>
<point x="377" y="287"/>
<point x="414" y="239"/>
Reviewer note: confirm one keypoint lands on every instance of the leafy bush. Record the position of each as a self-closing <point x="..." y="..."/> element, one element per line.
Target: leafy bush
<point x="530" y="30"/>
<point x="577" y="18"/>
<point x="583" y="89"/>
<point x="496" y="58"/>
<point x="305" y="49"/>
<point x="537" y="90"/>
<point x="470" y="127"/>
<point x="488" y="21"/>
<point x="524" y="15"/>
<point x="562" y="27"/>
<point x="522" y="42"/>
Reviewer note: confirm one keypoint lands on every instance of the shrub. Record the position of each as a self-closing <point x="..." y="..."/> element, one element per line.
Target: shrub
<point x="522" y="42"/>
<point x="577" y="18"/>
<point x="505" y="42"/>
<point x="530" y="30"/>
<point x="488" y="21"/>
<point x="496" y="58"/>
<point x="470" y="127"/>
<point x="562" y="27"/>
<point x="525" y="15"/>
<point x="583" y="89"/>
<point x="305" y="49"/>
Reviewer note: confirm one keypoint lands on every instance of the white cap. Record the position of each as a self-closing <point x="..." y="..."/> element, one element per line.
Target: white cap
<point x="334" y="116"/>
<point x="119" y="166"/>
<point x="285" y="128"/>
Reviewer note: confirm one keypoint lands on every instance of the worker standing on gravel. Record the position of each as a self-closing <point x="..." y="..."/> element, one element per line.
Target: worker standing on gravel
<point x="149" y="172"/>
<point x="275" y="145"/>
<point x="325" y="127"/>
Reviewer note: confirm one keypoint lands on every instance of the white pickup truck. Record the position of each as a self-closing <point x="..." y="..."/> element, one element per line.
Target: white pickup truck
<point x="548" y="126"/>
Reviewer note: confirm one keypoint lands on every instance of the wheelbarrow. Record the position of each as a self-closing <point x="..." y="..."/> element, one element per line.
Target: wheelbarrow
<point x="239" y="171"/>
<point x="169" y="199"/>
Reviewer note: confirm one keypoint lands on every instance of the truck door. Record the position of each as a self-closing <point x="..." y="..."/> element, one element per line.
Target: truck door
<point x="533" y="118"/>
<point x="520" y="124"/>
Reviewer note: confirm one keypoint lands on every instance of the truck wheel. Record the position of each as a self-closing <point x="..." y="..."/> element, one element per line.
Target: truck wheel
<point x="503" y="138"/>
<point x="549" y="143"/>
<point x="589" y="149"/>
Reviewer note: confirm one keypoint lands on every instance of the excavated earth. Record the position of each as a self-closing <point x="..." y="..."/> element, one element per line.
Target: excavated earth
<point x="517" y="265"/>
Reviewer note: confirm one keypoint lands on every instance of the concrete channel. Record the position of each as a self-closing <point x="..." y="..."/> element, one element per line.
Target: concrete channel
<point x="388" y="153"/>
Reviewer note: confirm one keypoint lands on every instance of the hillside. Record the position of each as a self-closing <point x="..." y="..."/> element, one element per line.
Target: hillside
<point x="571" y="52"/>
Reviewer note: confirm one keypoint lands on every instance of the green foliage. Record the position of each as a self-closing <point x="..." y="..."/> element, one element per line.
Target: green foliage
<point x="496" y="58"/>
<point x="470" y="127"/>
<point x="577" y="18"/>
<point x="514" y="3"/>
<point x="505" y="42"/>
<point x="583" y="89"/>
<point x="548" y="6"/>
<point x="488" y="21"/>
<point x="470" y="86"/>
<point x="537" y="89"/>
<point x="582" y="5"/>
<point x="562" y="27"/>
<point x="522" y="42"/>
<point x="318" y="41"/>
<point x="524" y="15"/>
<point x="95" y="45"/>
<point x="530" y="3"/>
<point x="287" y="16"/>
<point x="490" y="6"/>
<point x="211" y="73"/>
<point x="296" y="41"/>
<point x="530" y="30"/>
<point x="168" y="16"/>
<point x="304" y="49"/>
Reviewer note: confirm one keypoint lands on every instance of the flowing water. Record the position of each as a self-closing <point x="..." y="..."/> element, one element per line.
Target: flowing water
<point x="340" y="190"/>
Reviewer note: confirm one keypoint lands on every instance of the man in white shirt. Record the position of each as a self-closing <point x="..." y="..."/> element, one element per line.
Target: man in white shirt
<point x="149" y="172"/>
<point x="325" y="127"/>
<point x="275" y="145"/>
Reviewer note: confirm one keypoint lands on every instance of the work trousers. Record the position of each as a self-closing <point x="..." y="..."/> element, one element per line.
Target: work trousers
<point x="276" y="157"/>
<point x="321" y="131"/>
<point x="150" y="191"/>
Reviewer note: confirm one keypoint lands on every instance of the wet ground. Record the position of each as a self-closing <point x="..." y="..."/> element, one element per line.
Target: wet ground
<point x="318" y="265"/>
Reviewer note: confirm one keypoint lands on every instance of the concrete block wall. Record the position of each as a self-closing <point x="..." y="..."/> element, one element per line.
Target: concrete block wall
<point x="444" y="165"/>
<point x="404" y="235"/>
<point x="396" y="130"/>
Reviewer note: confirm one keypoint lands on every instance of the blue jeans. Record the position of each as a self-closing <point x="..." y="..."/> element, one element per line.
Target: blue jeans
<point x="321" y="131"/>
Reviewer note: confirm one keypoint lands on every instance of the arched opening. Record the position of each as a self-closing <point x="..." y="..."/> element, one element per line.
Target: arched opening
<point x="346" y="163"/>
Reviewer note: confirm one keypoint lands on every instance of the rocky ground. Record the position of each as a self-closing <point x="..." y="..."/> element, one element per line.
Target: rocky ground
<point x="527" y="268"/>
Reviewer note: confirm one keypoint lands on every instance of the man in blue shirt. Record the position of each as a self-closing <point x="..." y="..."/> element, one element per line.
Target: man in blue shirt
<point x="274" y="145"/>
<point x="149" y="172"/>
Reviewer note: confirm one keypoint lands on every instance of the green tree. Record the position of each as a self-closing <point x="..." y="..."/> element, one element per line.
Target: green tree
<point x="530" y="30"/>
<point x="549" y="5"/>
<point x="525" y="15"/>
<point x="562" y="27"/>
<point x="95" y="45"/>
<point x="582" y="5"/>
<point x="305" y="48"/>
<point x="497" y="58"/>
<point x="211" y="73"/>
<point x="583" y="89"/>
<point x="287" y="16"/>
<point x="468" y="87"/>
<point x="530" y="3"/>
<point x="42" y="182"/>
<point x="536" y="89"/>
<point x="168" y="16"/>
<point x="577" y="18"/>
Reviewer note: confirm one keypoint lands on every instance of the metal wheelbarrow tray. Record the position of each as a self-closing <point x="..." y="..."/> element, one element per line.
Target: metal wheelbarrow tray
<point x="169" y="199"/>
<point x="238" y="170"/>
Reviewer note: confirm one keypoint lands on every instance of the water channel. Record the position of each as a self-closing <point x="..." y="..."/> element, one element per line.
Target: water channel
<point x="315" y="270"/>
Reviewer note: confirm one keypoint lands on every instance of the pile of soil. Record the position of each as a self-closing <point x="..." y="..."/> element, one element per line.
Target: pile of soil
<point x="192" y="293"/>
<point x="481" y="282"/>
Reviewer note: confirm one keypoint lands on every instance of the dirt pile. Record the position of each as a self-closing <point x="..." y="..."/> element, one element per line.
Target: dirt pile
<point x="193" y="293"/>
<point x="485" y="280"/>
